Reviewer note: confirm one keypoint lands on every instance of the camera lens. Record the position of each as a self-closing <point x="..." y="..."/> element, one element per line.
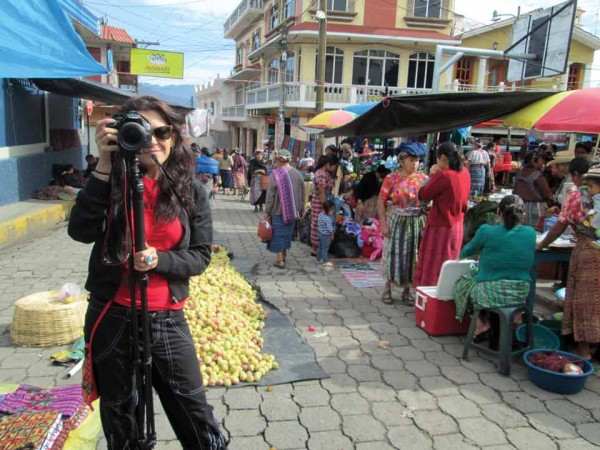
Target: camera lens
<point x="132" y="136"/>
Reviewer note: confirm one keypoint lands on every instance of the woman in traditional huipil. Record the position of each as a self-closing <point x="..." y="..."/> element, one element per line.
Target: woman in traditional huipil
<point x="323" y="187"/>
<point x="403" y="223"/>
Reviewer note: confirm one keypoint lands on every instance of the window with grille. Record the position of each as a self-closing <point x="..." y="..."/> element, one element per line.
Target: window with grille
<point x="334" y="64"/>
<point x="274" y="16"/>
<point x="375" y="68"/>
<point x="289" y="8"/>
<point x="256" y="40"/>
<point x="574" y="76"/>
<point x="273" y="71"/>
<point x="464" y="71"/>
<point x="420" y="70"/>
<point x="337" y="5"/>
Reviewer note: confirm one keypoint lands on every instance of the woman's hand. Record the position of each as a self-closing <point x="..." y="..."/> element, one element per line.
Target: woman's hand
<point x="106" y="139"/>
<point x="434" y="169"/>
<point x="145" y="260"/>
<point x="384" y="229"/>
<point x="552" y="211"/>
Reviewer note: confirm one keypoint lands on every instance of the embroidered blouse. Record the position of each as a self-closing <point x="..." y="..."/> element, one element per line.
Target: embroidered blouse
<point x="402" y="191"/>
<point x="572" y="212"/>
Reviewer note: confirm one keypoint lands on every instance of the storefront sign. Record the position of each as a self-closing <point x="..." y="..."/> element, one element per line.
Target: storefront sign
<point x="156" y="63"/>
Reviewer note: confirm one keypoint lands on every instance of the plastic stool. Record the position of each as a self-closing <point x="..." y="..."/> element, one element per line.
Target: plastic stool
<point x="504" y="353"/>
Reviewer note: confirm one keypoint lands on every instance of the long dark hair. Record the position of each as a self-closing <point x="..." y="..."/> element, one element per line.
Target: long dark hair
<point x="513" y="211"/>
<point x="449" y="150"/>
<point x="327" y="159"/>
<point x="179" y="166"/>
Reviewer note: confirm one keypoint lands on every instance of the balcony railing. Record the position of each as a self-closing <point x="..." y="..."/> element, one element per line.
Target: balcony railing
<point x="246" y="6"/>
<point x="236" y="112"/>
<point x="304" y="95"/>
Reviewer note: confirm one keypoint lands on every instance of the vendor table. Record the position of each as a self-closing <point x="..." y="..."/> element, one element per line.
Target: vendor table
<point x="551" y="254"/>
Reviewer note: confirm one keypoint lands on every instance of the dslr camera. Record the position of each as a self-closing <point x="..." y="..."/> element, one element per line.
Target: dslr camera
<point x="135" y="132"/>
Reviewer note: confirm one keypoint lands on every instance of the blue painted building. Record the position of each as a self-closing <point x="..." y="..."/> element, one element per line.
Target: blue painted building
<point x="37" y="128"/>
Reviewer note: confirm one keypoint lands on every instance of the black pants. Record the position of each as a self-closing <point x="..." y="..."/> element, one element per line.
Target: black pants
<point x="175" y="376"/>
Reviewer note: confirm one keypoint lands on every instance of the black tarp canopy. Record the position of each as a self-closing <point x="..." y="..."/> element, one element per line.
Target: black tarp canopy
<point x="90" y="90"/>
<point x="428" y="113"/>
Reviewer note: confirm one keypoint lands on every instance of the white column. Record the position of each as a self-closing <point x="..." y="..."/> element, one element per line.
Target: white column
<point x="587" y="73"/>
<point x="449" y="79"/>
<point x="481" y="74"/>
<point x="565" y="79"/>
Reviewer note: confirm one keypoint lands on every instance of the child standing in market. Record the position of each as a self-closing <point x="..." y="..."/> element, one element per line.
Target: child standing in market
<point x="325" y="228"/>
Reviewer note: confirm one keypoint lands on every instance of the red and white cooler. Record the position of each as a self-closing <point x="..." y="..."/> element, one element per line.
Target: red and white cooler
<point x="435" y="310"/>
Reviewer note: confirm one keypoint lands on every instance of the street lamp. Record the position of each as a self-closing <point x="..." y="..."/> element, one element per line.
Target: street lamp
<point x="496" y="16"/>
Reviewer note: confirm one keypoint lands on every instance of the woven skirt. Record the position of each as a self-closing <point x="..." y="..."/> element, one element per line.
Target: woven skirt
<point x="534" y="213"/>
<point x="282" y="235"/>
<point x="239" y="180"/>
<point x="582" y="302"/>
<point x="477" y="180"/>
<point x="469" y="292"/>
<point x="226" y="179"/>
<point x="401" y="249"/>
<point x="438" y="244"/>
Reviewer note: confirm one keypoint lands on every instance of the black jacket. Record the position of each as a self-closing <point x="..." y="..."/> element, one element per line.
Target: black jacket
<point x="191" y="256"/>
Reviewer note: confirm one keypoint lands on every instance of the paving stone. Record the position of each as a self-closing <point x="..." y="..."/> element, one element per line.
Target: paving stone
<point x="438" y="386"/>
<point x="400" y="379"/>
<point x="248" y="443"/>
<point x="442" y="358"/>
<point x="479" y="393"/>
<point x="458" y="407"/>
<point x="320" y="418"/>
<point x="395" y="339"/>
<point x="479" y="364"/>
<point x="409" y="437"/>
<point x="425" y="345"/>
<point x="435" y="422"/>
<point x="459" y="374"/>
<point x="242" y="398"/>
<point x="481" y="431"/>
<point x="282" y="435"/>
<point x="329" y="440"/>
<point x="278" y="408"/>
<point x="377" y="392"/>
<point x="576" y="444"/>
<point x="332" y="365"/>
<point x="363" y="428"/>
<point x="245" y="423"/>
<point x="569" y="411"/>
<point x="529" y="439"/>
<point x="338" y="383"/>
<point x="499" y="382"/>
<point x="523" y="402"/>
<point x="378" y="445"/>
<point x="392" y="413"/>
<point x="453" y="442"/>
<point x="349" y="404"/>
<point x="539" y="393"/>
<point x="363" y="373"/>
<point x="590" y="431"/>
<point x="586" y="399"/>
<point x="503" y="415"/>
<point x="408" y="353"/>
<point x="421" y="368"/>
<point x="387" y="362"/>
<point x="552" y="426"/>
<point x="354" y="356"/>
<point x="417" y="399"/>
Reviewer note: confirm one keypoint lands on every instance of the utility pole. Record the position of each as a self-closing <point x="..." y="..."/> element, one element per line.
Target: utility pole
<point x="282" y="80"/>
<point x="322" y="46"/>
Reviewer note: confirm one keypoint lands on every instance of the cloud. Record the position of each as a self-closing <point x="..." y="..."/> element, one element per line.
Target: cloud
<point x="199" y="8"/>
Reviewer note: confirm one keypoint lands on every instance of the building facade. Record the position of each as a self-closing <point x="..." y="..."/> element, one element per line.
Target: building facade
<point x="374" y="48"/>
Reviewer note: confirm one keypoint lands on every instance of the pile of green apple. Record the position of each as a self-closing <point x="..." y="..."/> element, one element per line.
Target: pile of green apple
<point x="225" y="321"/>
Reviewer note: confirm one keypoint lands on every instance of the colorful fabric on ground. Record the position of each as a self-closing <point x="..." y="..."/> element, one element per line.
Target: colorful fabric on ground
<point x="438" y="244"/>
<point x="582" y="302"/>
<point x="487" y="294"/>
<point x="401" y="249"/>
<point x="65" y="399"/>
<point x="361" y="275"/>
<point x="28" y="430"/>
<point x="286" y="195"/>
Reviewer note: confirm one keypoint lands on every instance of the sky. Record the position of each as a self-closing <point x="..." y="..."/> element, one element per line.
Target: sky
<point x="195" y="27"/>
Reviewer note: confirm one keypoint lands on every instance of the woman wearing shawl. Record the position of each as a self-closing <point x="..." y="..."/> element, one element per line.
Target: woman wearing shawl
<point x="239" y="170"/>
<point x="258" y="168"/>
<point x="285" y="203"/>
<point x="322" y="190"/>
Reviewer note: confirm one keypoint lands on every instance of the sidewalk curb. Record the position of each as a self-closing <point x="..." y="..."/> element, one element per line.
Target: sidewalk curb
<point x="26" y="225"/>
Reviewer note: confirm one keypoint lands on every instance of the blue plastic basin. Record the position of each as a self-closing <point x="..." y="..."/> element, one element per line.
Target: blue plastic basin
<point x="555" y="381"/>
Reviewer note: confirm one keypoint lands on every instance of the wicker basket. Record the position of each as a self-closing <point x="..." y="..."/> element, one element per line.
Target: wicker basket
<point x="43" y="320"/>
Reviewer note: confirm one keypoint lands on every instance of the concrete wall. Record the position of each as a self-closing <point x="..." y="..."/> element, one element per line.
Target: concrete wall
<point x="22" y="176"/>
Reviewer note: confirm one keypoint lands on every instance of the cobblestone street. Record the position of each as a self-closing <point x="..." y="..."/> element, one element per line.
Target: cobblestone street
<point x="418" y="394"/>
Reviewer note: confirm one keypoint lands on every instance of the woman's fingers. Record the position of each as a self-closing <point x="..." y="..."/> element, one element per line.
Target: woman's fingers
<point x="145" y="260"/>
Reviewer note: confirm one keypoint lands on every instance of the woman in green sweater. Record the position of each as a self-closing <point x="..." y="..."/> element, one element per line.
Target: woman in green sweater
<point x="506" y="257"/>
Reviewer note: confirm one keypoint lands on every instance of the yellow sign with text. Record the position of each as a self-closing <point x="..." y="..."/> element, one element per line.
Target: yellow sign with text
<point x="156" y="63"/>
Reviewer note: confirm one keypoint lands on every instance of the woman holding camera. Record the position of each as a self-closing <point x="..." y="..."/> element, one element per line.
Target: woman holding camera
<point x="179" y="238"/>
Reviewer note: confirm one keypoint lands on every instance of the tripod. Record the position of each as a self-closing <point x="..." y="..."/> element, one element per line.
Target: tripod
<point x="140" y="330"/>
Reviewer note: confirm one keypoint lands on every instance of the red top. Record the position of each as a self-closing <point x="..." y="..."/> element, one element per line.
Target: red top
<point x="449" y="191"/>
<point x="163" y="236"/>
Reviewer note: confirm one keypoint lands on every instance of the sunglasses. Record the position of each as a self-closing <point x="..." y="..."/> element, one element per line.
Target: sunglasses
<point x="163" y="133"/>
